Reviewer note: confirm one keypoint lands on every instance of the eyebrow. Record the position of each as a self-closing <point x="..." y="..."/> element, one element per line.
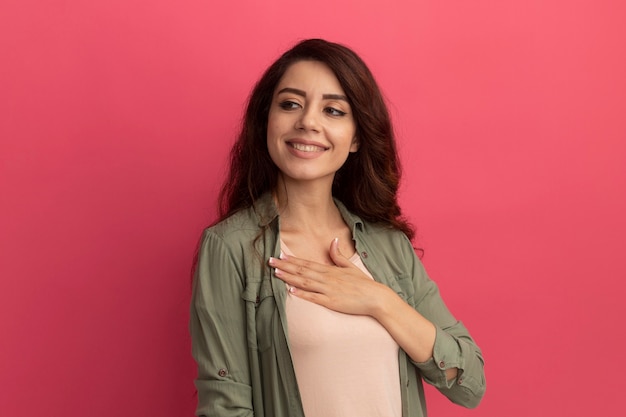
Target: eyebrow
<point x="303" y="94"/>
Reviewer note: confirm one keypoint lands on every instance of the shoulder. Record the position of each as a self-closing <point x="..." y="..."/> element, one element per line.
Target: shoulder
<point x="243" y="219"/>
<point x="238" y="227"/>
<point x="385" y="238"/>
<point x="244" y="235"/>
<point x="246" y="222"/>
<point x="235" y="246"/>
<point x="380" y="234"/>
<point x="391" y="245"/>
<point x="230" y="238"/>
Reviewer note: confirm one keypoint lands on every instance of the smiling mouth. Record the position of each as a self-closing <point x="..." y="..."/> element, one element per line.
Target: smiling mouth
<point x="306" y="148"/>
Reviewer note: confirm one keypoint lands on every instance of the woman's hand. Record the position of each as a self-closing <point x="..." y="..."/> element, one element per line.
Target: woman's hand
<point x="342" y="287"/>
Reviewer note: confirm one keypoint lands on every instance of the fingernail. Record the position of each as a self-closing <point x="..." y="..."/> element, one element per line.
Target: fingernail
<point x="272" y="261"/>
<point x="292" y="290"/>
<point x="277" y="272"/>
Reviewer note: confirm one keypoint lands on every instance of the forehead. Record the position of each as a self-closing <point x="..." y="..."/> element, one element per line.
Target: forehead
<point x="313" y="76"/>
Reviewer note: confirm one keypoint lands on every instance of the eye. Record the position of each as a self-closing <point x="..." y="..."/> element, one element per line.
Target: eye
<point x="288" y="105"/>
<point x="334" y="112"/>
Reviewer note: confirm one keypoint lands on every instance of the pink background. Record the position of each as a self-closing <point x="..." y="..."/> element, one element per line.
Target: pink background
<point x="115" y="120"/>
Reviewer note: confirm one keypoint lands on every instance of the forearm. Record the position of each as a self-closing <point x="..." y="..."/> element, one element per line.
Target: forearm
<point x="445" y="354"/>
<point x="413" y="332"/>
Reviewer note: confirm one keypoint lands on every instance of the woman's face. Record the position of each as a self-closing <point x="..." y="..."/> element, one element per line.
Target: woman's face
<point x="311" y="129"/>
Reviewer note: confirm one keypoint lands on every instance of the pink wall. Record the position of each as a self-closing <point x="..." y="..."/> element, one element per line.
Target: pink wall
<point x="115" y="119"/>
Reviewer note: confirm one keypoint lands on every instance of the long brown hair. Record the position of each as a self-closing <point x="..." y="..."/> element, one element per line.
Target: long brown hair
<point x="368" y="181"/>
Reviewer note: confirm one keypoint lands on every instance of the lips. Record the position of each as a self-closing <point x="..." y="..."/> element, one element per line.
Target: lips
<point x="307" y="146"/>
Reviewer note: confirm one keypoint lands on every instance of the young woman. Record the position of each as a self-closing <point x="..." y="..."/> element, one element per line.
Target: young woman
<point x="308" y="296"/>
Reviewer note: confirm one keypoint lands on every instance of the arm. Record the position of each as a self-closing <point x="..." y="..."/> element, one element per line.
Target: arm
<point x="454" y="350"/>
<point x="218" y="333"/>
<point x="423" y="327"/>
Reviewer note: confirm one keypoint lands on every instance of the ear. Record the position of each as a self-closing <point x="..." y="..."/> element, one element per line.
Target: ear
<point x="355" y="145"/>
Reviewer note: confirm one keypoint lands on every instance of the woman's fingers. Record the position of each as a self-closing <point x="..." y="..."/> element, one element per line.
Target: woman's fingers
<point x="338" y="288"/>
<point x="306" y="275"/>
<point x="297" y="266"/>
<point x="338" y="258"/>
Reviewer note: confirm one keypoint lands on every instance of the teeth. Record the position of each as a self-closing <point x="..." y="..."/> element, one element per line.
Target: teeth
<point x="306" y="148"/>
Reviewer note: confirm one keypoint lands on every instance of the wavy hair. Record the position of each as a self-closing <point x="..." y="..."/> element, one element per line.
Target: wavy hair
<point x="368" y="181"/>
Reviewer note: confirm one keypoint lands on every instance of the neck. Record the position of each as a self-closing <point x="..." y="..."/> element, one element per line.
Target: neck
<point x="306" y="206"/>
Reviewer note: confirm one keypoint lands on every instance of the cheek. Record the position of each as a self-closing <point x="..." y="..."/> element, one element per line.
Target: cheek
<point x="274" y="127"/>
<point x="346" y="135"/>
<point x="270" y="140"/>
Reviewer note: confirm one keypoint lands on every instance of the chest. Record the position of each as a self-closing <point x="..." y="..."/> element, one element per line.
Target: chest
<point x="317" y="248"/>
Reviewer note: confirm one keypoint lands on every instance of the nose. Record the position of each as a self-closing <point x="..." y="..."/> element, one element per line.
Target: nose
<point x="308" y="120"/>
